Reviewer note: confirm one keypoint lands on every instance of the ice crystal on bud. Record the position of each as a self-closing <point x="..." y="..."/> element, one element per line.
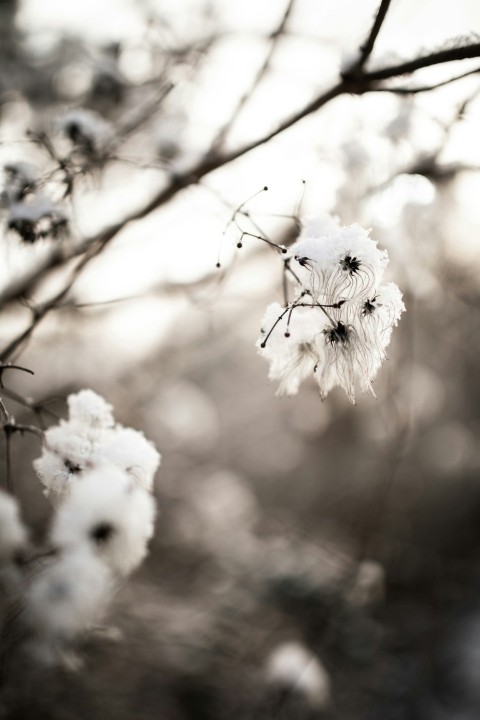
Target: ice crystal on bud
<point x="340" y="324"/>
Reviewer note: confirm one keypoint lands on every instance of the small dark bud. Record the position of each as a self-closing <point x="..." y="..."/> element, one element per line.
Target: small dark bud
<point x="265" y="188"/>
<point x="287" y="334"/>
<point x="218" y="265"/>
<point x="262" y="345"/>
<point x="239" y="245"/>
<point x="284" y="251"/>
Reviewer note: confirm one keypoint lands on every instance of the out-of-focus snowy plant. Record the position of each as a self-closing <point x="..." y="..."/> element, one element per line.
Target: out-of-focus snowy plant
<point x="64" y="602"/>
<point x="99" y="476"/>
<point x="107" y="513"/>
<point x="339" y="324"/>
<point x="36" y="218"/>
<point x="87" y="130"/>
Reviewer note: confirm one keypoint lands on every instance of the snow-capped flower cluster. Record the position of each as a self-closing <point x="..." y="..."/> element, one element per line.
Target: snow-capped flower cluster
<point x="99" y="476"/>
<point x="89" y="439"/>
<point x="340" y="323"/>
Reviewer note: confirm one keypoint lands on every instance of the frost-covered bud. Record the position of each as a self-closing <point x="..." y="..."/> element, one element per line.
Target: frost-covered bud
<point x="66" y="600"/>
<point x="288" y="342"/>
<point x="37" y="218"/>
<point x="87" y="130"/>
<point x="107" y="513"/>
<point x="91" y="409"/>
<point x="130" y="451"/>
<point x="13" y="534"/>
<point x="292" y="667"/>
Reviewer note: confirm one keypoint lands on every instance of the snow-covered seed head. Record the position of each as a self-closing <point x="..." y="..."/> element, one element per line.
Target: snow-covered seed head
<point x="107" y="513"/>
<point x="89" y="439"/>
<point x="340" y="335"/>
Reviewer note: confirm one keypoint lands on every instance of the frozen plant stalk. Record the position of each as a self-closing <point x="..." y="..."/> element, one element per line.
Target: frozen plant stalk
<point x="340" y="323"/>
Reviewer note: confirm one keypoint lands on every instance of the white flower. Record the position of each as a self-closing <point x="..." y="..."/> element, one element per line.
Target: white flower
<point x="66" y="600"/>
<point x="106" y="512"/>
<point x="13" y="534"/>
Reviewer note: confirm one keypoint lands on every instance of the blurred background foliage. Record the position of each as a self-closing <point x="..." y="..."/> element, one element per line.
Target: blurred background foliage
<point x="349" y="534"/>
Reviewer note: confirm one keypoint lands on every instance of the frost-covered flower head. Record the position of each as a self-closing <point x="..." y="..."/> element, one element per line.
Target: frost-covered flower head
<point x="87" y="130"/>
<point x="107" y="513"/>
<point x="13" y="534"/>
<point x="343" y="264"/>
<point x="88" y="439"/>
<point x="340" y="323"/>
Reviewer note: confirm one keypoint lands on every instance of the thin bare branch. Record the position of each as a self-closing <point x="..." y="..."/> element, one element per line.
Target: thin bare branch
<point x="425" y="88"/>
<point x="363" y="83"/>
<point x="436" y="58"/>
<point x="263" y="69"/>
<point x="367" y="47"/>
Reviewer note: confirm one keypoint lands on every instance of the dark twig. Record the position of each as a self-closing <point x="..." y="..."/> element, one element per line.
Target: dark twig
<point x="436" y="58"/>
<point x="425" y="88"/>
<point x="263" y="69"/>
<point x="367" y="47"/>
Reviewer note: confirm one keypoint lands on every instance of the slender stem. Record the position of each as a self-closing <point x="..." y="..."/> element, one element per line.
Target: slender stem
<point x="435" y="58"/>
<point x="367" y="47"/>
